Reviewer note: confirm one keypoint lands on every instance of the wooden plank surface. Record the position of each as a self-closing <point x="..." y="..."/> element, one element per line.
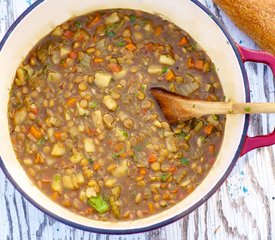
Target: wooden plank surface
<point x="243" y="208"/>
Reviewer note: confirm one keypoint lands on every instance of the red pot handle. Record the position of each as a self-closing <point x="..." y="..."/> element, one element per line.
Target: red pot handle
<point x="251" y="143"/>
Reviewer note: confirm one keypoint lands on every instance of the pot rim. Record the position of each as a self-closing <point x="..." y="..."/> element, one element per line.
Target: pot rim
<point x="181" y="214"/>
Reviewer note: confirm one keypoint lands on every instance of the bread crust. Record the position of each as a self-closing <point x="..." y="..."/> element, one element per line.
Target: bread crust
<point x="255" y="17"/>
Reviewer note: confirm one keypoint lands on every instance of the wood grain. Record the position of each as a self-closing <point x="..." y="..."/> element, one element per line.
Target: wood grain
<point x="243" y="208"/>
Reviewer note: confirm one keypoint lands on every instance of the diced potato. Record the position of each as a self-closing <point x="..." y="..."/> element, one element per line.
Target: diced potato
<point x="97" y="119"/>
<point x="120" y="74"/>
<point x="19" y="115"/>
<point x="77" y="157"/>
<point x="110" y="182"/>
<point x="58" y="150"/>
<point x="54" y="77"/>
<point x="154" y="69"/>
<point x="56" y="183"/>
<point x="121" y="170"/>
<point x="57" y="31"/>
<point x="89" y="145"/>
<point x="116" y="191"/>
<point x="170" y="143"/>
<point x="80" y="178"/>
<point x="67" y="182"/>
<point x="53" y="120"/>
<point x="113" y="18"/>
<point x="102" y="79"/>
<point x="166" y="59"/>
<point x="27" y="161"/>
<point x="22" y="77"/>
<point x="110" y="103"/>
<point x="82" y="111"/>
<point x="64" y="51"/>
<point x="90" y="192"/>
<point x="148" y="27"/>
<point x="108" y="120"/>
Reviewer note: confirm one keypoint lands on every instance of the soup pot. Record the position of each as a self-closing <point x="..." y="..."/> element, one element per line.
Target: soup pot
<point x="192" y="17"/>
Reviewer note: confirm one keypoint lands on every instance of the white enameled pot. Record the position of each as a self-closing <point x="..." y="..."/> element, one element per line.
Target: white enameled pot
<point x="192" y="17"/>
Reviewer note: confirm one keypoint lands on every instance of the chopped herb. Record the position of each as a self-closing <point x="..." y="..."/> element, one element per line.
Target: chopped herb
<point x="181" y="134"/>
<point x="121" y="43"/>
<point x="164" y="177"/>
<point x="98" y="204"/>
<point x="164" y="70"/>
<point x="115" y="155"/>
<point x="78" y="24"/>
<point x="247" y="109"/>
<point x="194" y="105"/>
<point x="90" y="160"/>
<point x="124" y="133"/>
<point x="41" y="141"/>
<point x="215" y="117"/>
<point x="184" y="161"/>
<point x="143" y="87"/>
<point x="110" y="33"/>
<point x="93" y="104"/>
<point x="133" y="18"/>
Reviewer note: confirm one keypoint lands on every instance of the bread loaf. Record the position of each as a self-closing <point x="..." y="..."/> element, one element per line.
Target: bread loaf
<point x="255" y="17"/>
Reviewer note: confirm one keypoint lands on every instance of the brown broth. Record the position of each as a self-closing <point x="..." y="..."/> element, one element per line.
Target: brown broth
<point x="86" y="129"/>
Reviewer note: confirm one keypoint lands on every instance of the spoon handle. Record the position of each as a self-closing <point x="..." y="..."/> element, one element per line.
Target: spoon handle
<point x="250" y="108"/>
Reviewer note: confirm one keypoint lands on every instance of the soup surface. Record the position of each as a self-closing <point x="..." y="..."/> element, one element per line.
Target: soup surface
<point x="86" y="129"/>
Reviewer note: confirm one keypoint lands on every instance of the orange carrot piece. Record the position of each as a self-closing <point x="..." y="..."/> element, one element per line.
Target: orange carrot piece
<point x="199" y="64"/>
<point x="96" y="166"/>
<point x="152" y="158"/>
<point x="183" y="41"/>
<point x="35" y="132"/>
<point x="208" y="129"/>
<point x="39" y="159"/>
<point x="95" y="20"/>
<point x="170" y="75"/>
<point x="158" y="31"/>
<point x="73" y="55"/>
<point x="54" y="196"/>
<point x="131" y="47"/>
<point x="71" y="102"/>
<point x="114" y="68"/>
<point x="172" y="169"/>
<point x="118" y="147"/>
<point x="151" y="207"/>
<point x="211" y="148"/>
<point x="88" y="211"/>
<point x="142" y="171"/>
<point x="57" y="135"/>
<point x="68" y="34"/>
<point x="190" y="63"/>
<point x="98" y="60"/>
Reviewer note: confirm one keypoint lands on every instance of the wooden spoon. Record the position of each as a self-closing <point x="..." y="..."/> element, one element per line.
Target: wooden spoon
<point x="176" y="107"/>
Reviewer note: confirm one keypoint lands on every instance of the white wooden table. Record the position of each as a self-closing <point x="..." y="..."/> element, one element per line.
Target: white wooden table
<point x="243" y="208"/>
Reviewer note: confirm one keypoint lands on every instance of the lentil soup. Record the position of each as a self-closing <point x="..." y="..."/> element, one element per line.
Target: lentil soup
<point x="86" y="129"/>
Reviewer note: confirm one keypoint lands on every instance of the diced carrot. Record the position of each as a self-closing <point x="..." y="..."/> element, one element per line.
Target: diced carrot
<point x="68" y="34"/>
<point x="71" y="102"/>
<point x="166" y="196"/>
<point x="35" y="132"/>
<point x="152" y="158"/>
<point x="174" y="191"/>
<point x="172" y="169"/>
<point x="199" y="64"/>
<point x="109" y="142"/>
<point x="190" y="63"/>
<point x="190" y="189"/>
<point x="57" y="135"/>
<point x="91" y="131"/>
<point x="170" y="75"/>
<point x="34" y="110"/>
<point x="88" y="211"/>
<point x="54" y="196"/>
<point x="96" y="166"/>
<point x="151" y="207"/>
<point x="183" y="41"/>
<point x="73" y="55"/>
<point x="158" y="31"/>
<point x="39" y="159"/>
<point x="119" y="146"/>
<point x="211" y="148"/>
<point x="208" y="129"/>
<point x="46" y="180"/>
<point x="95" y="20"/>
<point x="142" y="171"/>
<point x="163" y="185"/>
<point x="98" y="60"/>
<point x="131" y="47"/>
<point x="66" y="202"/>
<point x="114" y="68"/>
<point x="148" y="46"/>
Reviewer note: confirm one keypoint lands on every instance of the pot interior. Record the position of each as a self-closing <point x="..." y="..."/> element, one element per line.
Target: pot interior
<point x="184" y="13"/>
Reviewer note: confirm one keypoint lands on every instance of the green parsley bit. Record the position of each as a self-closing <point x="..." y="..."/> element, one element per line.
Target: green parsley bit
<point x="184" y="161"/>
<point x="164" y="70"/>
<point x="78" y="24"/>
<point x="93" y="105"/>
<point x="133" y="18"/>
<point x="121" y="43"/>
